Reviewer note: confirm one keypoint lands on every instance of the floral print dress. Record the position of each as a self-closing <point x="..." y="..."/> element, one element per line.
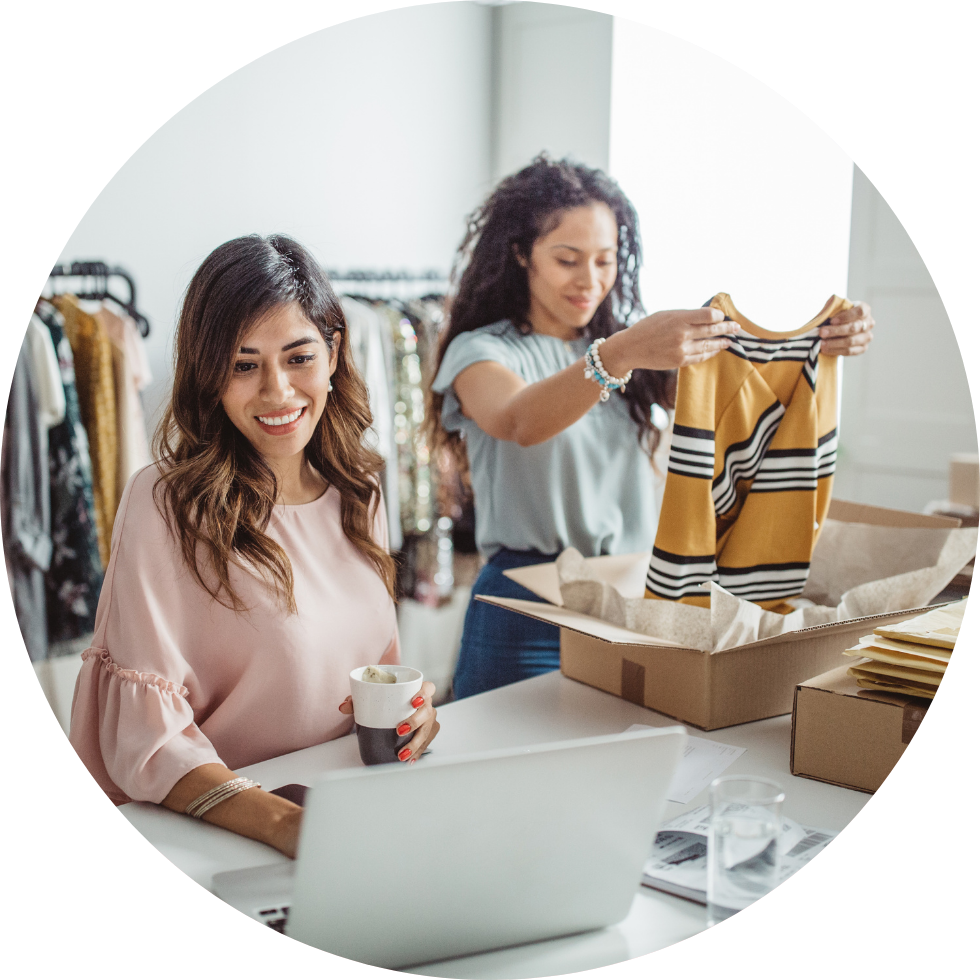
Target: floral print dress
<point x="74" y="578"/>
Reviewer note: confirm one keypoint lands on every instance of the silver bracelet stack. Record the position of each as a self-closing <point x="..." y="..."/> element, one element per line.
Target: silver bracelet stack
<point x="218" y="794"/>
<point x="594" y="371"/>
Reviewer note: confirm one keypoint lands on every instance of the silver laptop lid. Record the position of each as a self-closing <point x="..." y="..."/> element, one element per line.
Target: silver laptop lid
<point x="403" y="865"/>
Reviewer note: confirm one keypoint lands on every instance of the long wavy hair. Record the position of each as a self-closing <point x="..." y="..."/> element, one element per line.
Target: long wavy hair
<point x="216" y="491"/>
<point x="488" y="283"/>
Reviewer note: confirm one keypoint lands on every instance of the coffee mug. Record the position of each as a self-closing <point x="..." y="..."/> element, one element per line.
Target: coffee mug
<point x="380" y="708"/>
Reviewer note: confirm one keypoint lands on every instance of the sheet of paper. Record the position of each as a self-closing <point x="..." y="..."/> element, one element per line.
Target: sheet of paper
<point x="703" y="761"/>
<point x="696" y="822"/>
<point x="678" y="863"/>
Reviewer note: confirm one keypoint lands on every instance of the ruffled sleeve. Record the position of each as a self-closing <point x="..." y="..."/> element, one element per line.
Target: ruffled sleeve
<point x="466" y="349"/>
<point x="132" y="722"/>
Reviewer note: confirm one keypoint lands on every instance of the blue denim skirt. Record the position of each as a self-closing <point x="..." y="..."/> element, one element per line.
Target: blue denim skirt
<point x="500" y="646"/>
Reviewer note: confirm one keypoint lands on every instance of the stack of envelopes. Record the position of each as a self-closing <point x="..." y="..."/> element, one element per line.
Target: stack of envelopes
<point x="909" y="657"/>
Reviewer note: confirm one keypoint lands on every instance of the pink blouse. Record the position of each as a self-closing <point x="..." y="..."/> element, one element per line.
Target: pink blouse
<point x="174" y="680"/>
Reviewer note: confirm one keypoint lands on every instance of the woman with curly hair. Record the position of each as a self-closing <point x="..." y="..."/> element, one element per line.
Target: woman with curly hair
<point x="249" y="571"/>
<point x="545" y="323"/>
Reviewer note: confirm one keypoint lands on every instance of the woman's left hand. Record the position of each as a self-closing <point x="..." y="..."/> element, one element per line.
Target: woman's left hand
<point x="848" y="333"/>
<point x="423" y="722"/>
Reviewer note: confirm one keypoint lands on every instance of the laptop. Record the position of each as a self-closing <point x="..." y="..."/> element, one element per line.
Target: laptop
<point x="402" y="865"/>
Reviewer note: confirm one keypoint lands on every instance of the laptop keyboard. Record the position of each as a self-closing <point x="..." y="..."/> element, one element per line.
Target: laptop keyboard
<point x="274" y="918"/>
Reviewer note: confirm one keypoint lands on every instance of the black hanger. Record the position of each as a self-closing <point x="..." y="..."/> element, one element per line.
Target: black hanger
<point x="102" y="273"/>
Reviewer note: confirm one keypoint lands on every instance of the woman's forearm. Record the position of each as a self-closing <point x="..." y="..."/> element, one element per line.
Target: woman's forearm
<point x="541" y="410"/>
<point x="508" y="408"/>
<point x="252" y="813"/>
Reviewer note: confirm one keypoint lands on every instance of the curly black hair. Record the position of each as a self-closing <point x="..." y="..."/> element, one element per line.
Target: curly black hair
<point x="488" y="283"/>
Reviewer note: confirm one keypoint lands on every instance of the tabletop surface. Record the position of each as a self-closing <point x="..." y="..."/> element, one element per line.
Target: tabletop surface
<point x="543" y="709"/>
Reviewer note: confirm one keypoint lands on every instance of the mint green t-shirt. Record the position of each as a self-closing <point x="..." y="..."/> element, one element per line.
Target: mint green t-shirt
<point x="590" y="487"/>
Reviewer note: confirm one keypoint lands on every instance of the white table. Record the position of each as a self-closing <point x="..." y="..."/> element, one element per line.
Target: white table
<point x="543" y="709"/>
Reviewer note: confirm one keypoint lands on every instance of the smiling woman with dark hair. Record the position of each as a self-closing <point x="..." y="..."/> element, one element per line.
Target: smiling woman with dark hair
<point x="249" y="571"/>
<point x="548" y="374"/>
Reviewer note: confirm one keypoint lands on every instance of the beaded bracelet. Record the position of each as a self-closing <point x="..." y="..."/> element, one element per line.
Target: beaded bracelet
<point x="595" y="371"/>
<point x="218" y="794"/>
<point x="592" y="374"/>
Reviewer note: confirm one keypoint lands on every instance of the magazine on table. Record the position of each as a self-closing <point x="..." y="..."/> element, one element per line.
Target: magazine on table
<point x="678" y="863"/>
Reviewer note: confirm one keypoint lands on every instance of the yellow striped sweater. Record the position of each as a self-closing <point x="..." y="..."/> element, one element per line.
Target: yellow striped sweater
<point x="751" y="466"/>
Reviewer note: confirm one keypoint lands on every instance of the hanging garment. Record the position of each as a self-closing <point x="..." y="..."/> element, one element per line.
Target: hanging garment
<point x="370" y="342"/>
<point x="390" y="480"/>
<point x="751" y="466"/>
<point x="415" y="496"/>
<point x="95" y="382"/>
<point x="26" y="503"/>
<point x="74" y="577"/>
<point x="47" y="373"/>
<point x="37" y="402"/>
<point x="131" y="374"/>
<point x="364" y="332"/>
<point x="393" y="341"/>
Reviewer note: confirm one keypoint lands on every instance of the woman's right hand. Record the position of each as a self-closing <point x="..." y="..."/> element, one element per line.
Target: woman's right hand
<point x="423" y="723"/>
<point x="284" y="835"/>
<point x="252" y="813"/>
<point x="667" y="340"/>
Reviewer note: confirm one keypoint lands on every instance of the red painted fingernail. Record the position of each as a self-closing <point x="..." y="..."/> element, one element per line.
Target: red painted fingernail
<point x="418" y="702"/>
<point x="405" y="753"/>
<point x="403" y="729"/>
<point x="412" y="762"/>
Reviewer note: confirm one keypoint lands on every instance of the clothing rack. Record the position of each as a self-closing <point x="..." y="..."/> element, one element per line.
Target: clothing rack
<point x="389" y="284"/>
<point x="101" y="273"/>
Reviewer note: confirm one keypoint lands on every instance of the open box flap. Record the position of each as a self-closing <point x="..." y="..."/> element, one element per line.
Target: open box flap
<point x="610" y="633"/>
<point x="579" y="622"/>
<point x="626" y="573"/>
<point x="850" y="513"/>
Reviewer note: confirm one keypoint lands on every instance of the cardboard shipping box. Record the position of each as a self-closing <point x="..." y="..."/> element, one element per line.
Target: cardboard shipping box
<point x="848" y="735"/>
<point x="964" y="480"/>
<point x="707" y="690"/>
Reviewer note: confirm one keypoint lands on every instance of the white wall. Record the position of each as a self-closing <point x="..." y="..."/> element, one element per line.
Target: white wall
<point x="739" y="192"/>
<point x="145" y="61"/>
<point x="552" y="75"/>
<point x="736" y="190"/>
<point x="369" y="142"/>
<point x="907" y="403"/>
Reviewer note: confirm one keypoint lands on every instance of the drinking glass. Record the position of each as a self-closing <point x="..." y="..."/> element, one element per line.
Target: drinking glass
<point x="743" y="843"/>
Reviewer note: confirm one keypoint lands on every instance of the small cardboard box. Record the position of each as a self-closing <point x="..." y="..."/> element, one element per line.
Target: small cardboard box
<point x="706" y="690"/>
<point x="847" y="735"/>
<point x="964" y="480"/>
